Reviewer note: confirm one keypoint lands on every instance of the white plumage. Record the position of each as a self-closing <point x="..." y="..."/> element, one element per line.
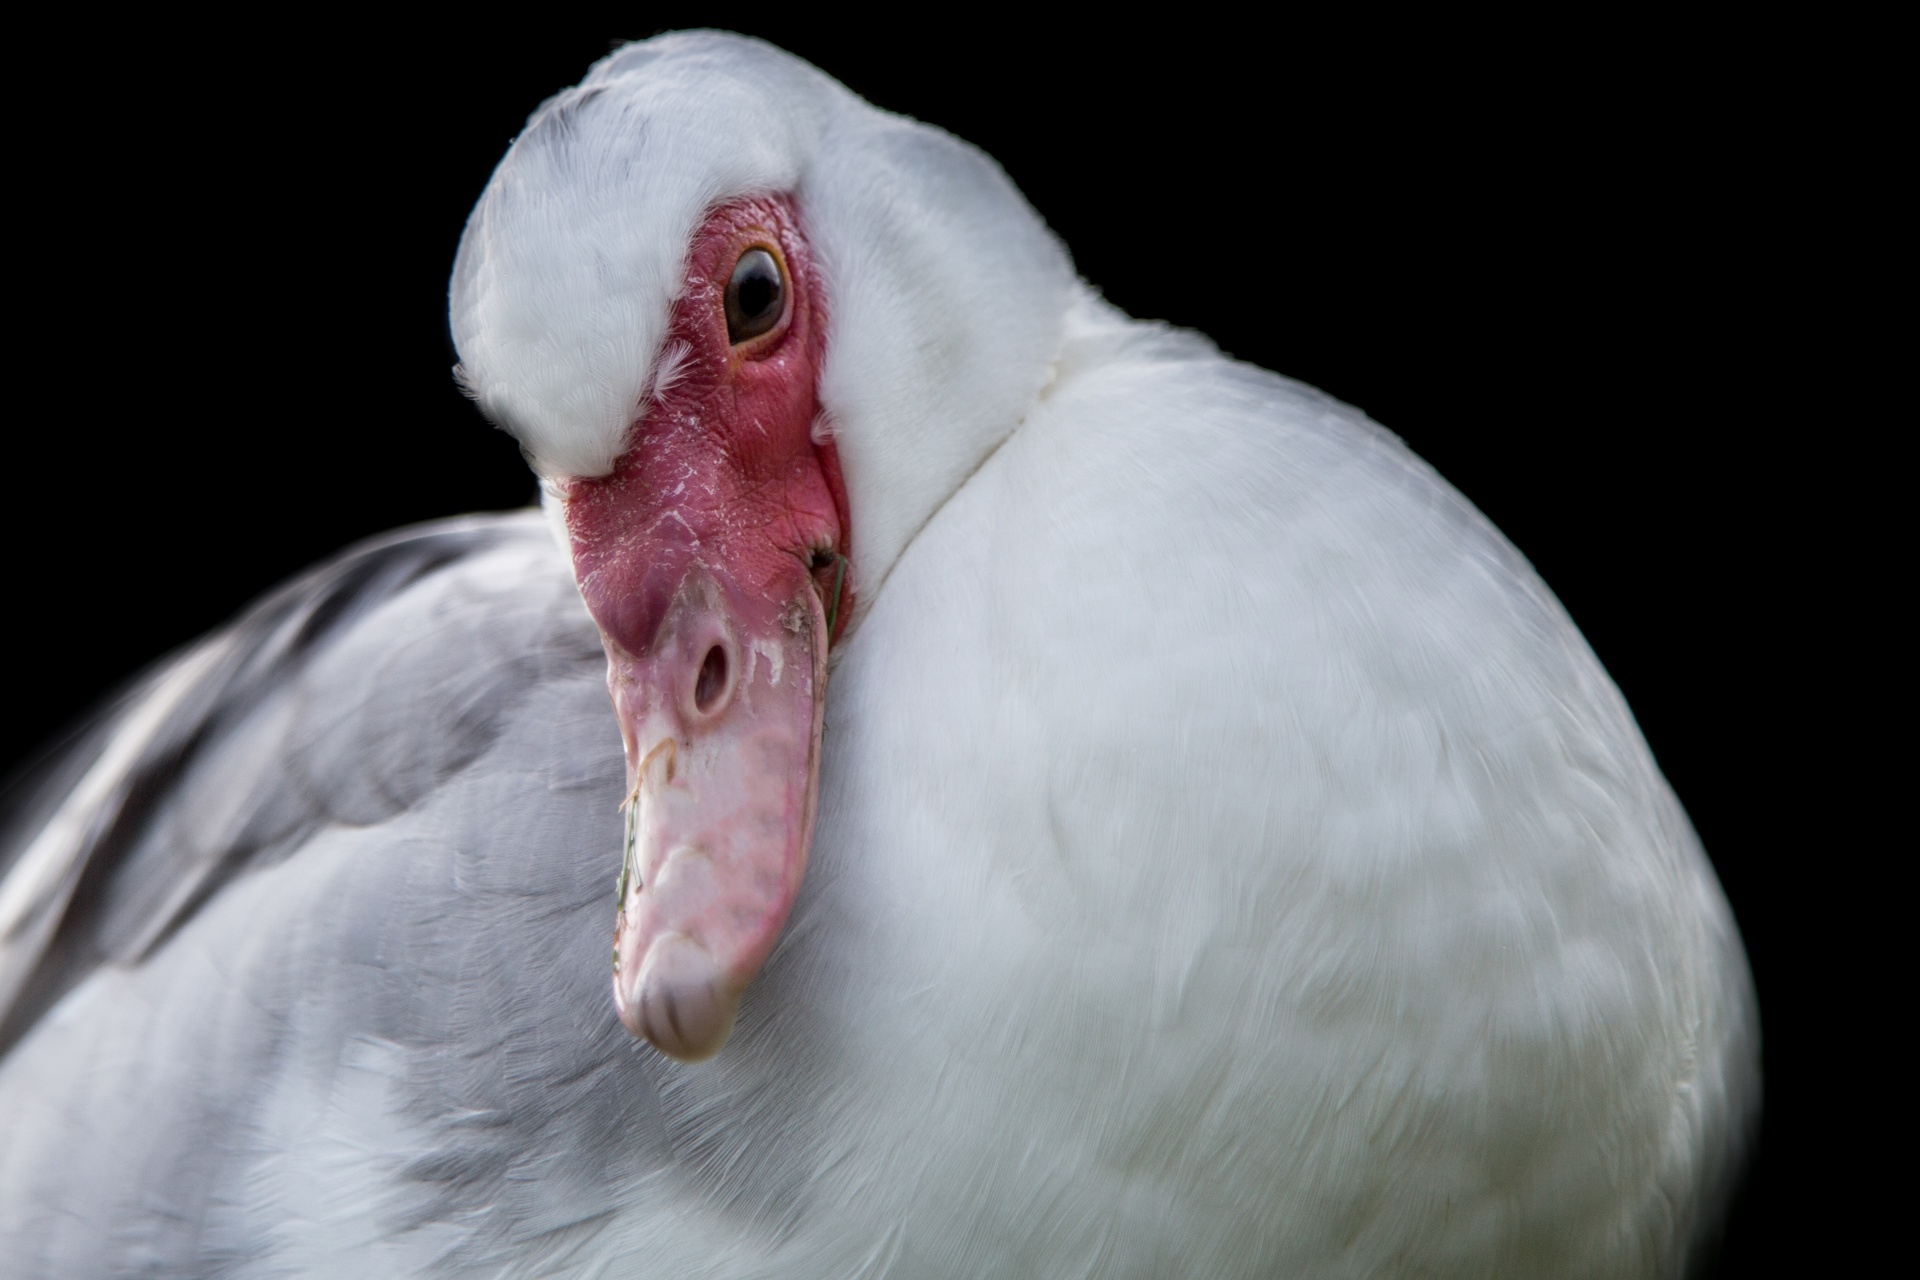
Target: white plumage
<point x="1230" y="861"/>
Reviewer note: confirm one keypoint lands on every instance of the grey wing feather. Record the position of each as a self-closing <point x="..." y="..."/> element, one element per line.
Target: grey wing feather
<point x="368" y="832"/>
<point x="119" y="834"/>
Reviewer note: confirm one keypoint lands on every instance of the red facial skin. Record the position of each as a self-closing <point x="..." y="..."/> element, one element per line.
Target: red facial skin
<point x="713" y="546"/>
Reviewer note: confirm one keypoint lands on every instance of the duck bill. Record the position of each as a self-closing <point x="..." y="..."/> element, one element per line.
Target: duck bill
<point x="703" y="571"/>
<point x="721" y="715"/>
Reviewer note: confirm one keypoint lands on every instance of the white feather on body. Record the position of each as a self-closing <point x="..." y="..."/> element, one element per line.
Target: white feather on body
<point x="1345" y="886"/>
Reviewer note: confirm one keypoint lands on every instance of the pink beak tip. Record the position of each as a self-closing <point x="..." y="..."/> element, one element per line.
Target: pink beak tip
<point x="679" y="1002"/>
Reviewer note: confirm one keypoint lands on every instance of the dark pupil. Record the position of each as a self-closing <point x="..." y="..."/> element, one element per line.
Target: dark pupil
<point x="753" y="295"/>
<point x="757" y="295"/>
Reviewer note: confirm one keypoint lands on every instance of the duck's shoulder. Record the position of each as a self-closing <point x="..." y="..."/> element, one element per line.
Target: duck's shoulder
<point x="1259" y="511"/>
<point x="1223" y="443"/>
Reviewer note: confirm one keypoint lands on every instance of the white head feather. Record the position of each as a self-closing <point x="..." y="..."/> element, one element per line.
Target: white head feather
<point x="946" y="296"/>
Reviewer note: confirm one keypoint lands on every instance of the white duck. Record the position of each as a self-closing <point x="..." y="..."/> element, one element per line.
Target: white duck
<point x="1229" y="858"/>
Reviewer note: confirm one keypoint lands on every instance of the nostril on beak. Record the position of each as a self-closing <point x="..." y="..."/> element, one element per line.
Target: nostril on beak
<point x="713" y="680"/>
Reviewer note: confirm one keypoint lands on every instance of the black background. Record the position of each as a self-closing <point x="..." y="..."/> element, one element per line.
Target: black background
<point x="1579" y="270"/>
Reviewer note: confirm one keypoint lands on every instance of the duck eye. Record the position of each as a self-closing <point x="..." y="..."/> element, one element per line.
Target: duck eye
<point x="756" y="295"/>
